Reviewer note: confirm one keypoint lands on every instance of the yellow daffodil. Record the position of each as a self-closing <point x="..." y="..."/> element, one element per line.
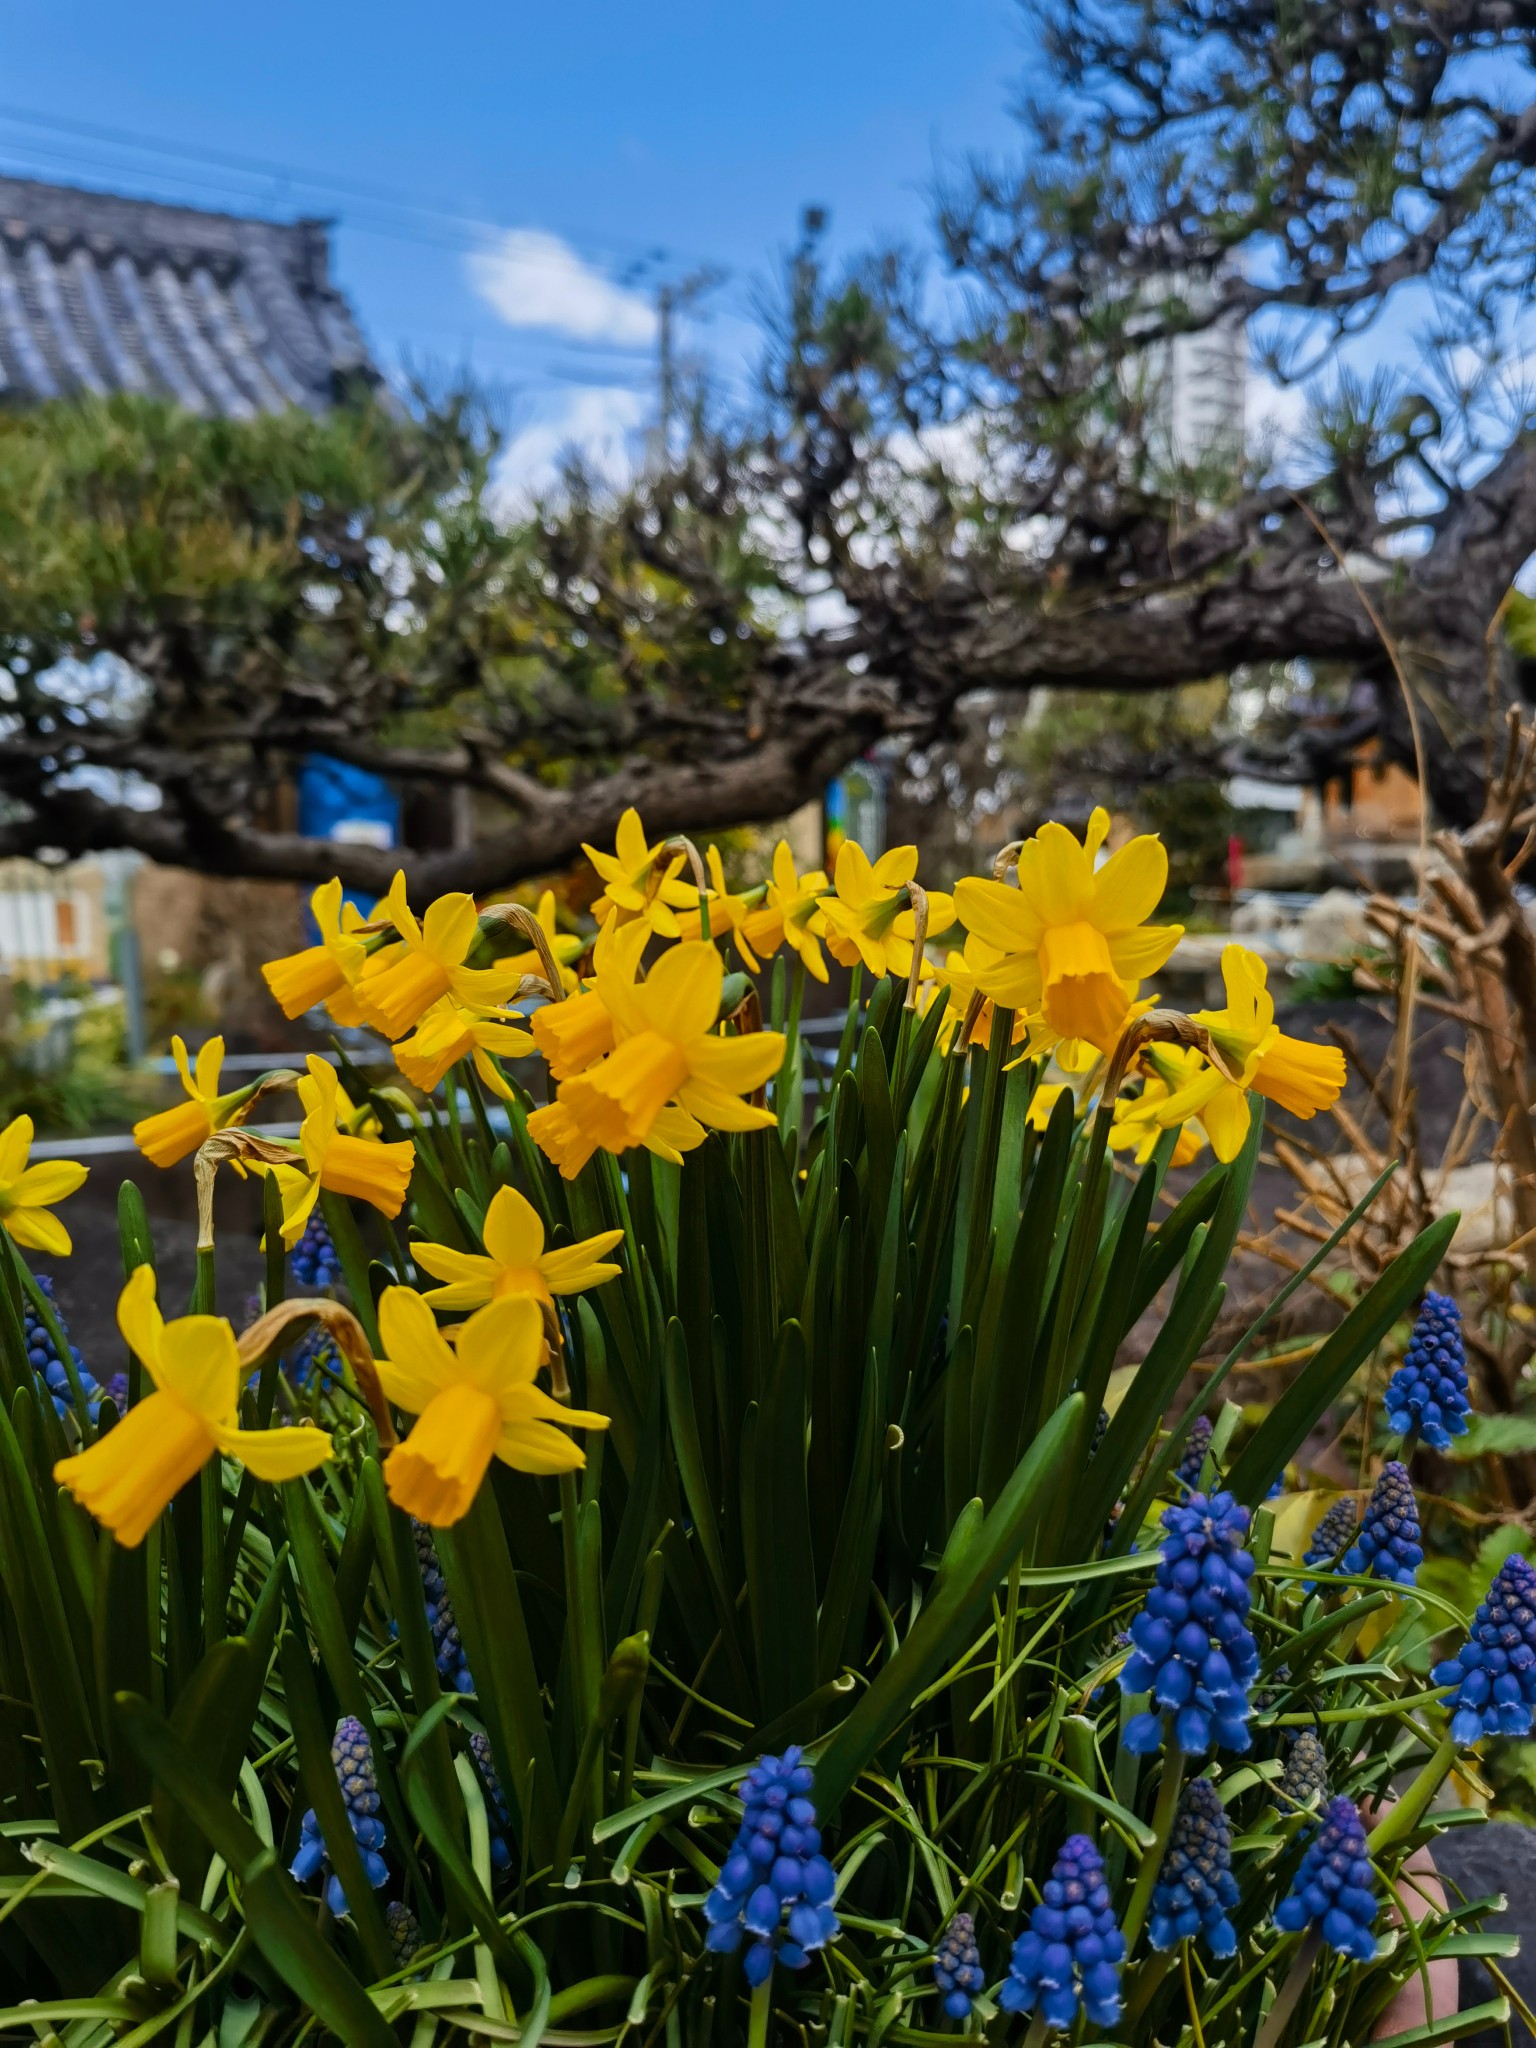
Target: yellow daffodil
<point x="668" y="1050"/>
<point x="958" y="976"/>
<point x="338" y="1160"/>
<point x="634" y="876"/>
<point x="1042" y="1102"/>
<point x="729" y="915"/>
<point x="514" y="1260"/>
<point x="170" y="1134"/>
<point x="568" y="1147"/>
<point x="452" y="1031"/>
<point x="1297" y="1075"/>
<point x="131" y="1473"/>
<point x="396" y="988"/>
<point x="27" y="1193"/>
<point x="1138" y="1122"/>
<point x="790" y="914"/>
<point x="573" y="1035"/>
<point x="473" y="1400"/>
<point x="317" y="974"/>
<point x="1073" y="944"/>
<point x="869" y="918"/>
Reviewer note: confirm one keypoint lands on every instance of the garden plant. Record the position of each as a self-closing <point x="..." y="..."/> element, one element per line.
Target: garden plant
<point x="699" y="1558"/>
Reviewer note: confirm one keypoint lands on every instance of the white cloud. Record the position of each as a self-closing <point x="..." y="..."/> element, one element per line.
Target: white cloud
<point x="533" y="279"/>
<point x="600" y="423"/>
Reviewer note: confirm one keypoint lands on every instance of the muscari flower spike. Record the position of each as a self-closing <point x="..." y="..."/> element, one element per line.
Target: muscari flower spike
<point x="447" y="1646"/>
<point x="1494" y="1671"/>
<point x="1072" y="1949"/>
<point x="404" y="1931"/>
<point x="313" y="1261"/>
<point x="775" y="1885"/>
<point x="1333" y="1534"/>
<point x="1305" y="1777"/>
<point x="1428" y="1392"/>
<point x="1388" y="1545"/>
<point x="1332" y="1890"/>
<point x="1196" y="1447"/>
<point x="352" y="1755"/>
<point x="496" y="1799"/>
<point x="1195" y="1889"/>
<point x="957" y="1966"/>
<point x="1194" y="1651"/>
<point x="43" y="1357"/>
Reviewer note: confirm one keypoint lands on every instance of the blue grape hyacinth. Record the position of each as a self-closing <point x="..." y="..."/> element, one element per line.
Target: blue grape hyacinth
<point x="447" y="1647"/>
<point x="1195" y="1653"/>
<point x="404" y="1931"/>
<point x="495" y="1798"/>
<point x="313" y="1261"/>
<point x="1333" y="1889"/>
<point x="1195" y="1889"/>
<point x="43" y="1357"/>
<point x="775" y="1886"/>
<point x="1428" y="1392"/>
<point x="1333" y="1534"/>
<point x="352" y="1755"/>
<point x="1494" y="1671"/>
<point x="957" y="1966"/>
<point x="1072" y="1949"/>
<point x="1388" y="1545"/>
<point x="1196" y="1449"/>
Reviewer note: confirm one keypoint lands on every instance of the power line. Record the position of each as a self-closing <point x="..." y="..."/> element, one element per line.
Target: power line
<point x="443" y="213"/>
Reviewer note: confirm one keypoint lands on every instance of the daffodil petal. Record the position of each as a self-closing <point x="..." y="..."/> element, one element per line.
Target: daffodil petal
<point x="738" y="1064"/>
<point x="514" y="1231"/>
<point x="38" y="1230"/>
<point x="998" y="915"/>
<point x="1130" y="885"/>
<point x="721" y="1110"/>
<point x="200" y="1365"/>
<point x="47" y="1182"/>
<point x="276" y="1454"/>
<point x="502" y="1346"/>
<point x="535" y="1447"/>
<point x="681" y="997"/>
<point x="411" y="1339"/>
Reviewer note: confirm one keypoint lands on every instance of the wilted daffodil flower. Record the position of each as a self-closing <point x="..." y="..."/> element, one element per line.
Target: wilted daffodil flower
<point x="171" y="1134"/>
<point x="337" y="1160"/>
<point x="1299" y="1076"/>
<point x="396" y="988"/>
<point x="133" y="1471"/>
<point x="452" y="1031"/>
<point x="514" y="1260"/>
<point x="565" y="947"/>
<point x="27" y="1193"/>
<point x="1072" y="943"/>
<point x="669" y="1050"/>
<point x="634" y="876"/>
<point x="317" y="974"/>
<point x="869" y="917"/>
<point x="473" y="1400"/>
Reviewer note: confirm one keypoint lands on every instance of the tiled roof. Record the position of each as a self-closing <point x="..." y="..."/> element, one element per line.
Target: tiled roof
<point x="225" y="315"/>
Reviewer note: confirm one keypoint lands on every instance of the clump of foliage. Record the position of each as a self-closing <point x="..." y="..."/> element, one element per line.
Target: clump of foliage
<point x="814" y="1671"/>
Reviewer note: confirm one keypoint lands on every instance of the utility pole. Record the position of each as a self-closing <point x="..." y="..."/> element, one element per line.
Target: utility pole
<point x="672" y="295"/>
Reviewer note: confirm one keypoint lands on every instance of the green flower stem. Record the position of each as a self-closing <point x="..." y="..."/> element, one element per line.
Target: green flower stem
<point x="762" y="2006"/>
<point x="1400" y="1820"/>
<point x="1149" y="1978"/>
<point x="1286" y="1998"/>
<point x="1039" y="2027"/>
<point x="1168" y="1791"/>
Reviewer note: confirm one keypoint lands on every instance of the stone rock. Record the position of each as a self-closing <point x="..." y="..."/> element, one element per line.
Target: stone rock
<point x="1500" y="1857"/>
<point x="1259" y="912"/>
<point x="1333" y="927"/>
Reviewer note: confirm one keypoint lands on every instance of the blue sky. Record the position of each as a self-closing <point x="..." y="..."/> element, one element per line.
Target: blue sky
<point x="524" y="160"/>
